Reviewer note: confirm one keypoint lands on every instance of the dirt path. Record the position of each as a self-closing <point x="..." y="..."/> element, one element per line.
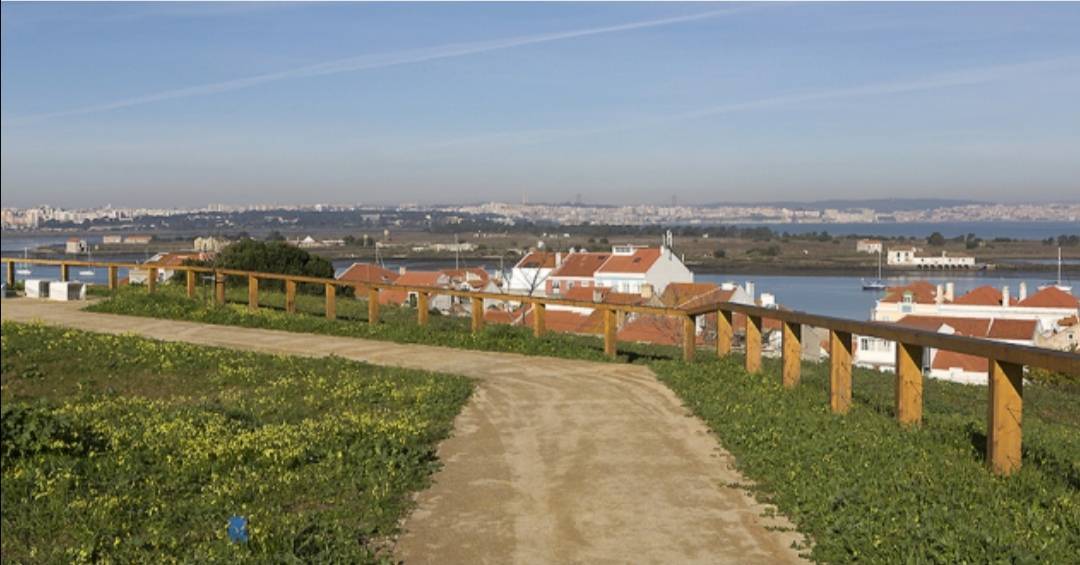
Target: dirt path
<point x="553" y="460"/>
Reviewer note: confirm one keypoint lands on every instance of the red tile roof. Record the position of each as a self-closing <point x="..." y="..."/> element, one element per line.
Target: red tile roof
<point x="569" y="322"/>
<point x="1050" y="297"/>
<point x="946" y="360"/>
<point x="537" y="260"/>
<point x="638" y="262"/>
<point x="411" y="278"/>
<point x="693" y="295"/>
<point x="580" y="264"/>
<point x="176" y="259"/>
<point x="972" y="327"/>
<point x="478" y="279"/>
<point x="981" y="296"/>
<point x="922" y="291"/>
<point x="1012" y="329"/>
<point x="662" y="330"/>
<point x="368" y="273"/>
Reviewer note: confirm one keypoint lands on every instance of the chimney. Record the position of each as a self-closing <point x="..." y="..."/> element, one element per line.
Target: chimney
<point x="401" y="270"/>
<point x="1005" y="296"/>
<point x="939" y="294"/>
<point x="950" y="291"/>
<point x="597" y="295"/>
<point x="768" y="300"/>
<point x="750" y="289"/>
<point x="558" y="258"/>
<point x="1022" y="293"/>
<point x="646" y="291"/>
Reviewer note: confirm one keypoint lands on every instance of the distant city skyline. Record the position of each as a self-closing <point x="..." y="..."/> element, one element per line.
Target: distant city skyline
<point x="179" y="104"/>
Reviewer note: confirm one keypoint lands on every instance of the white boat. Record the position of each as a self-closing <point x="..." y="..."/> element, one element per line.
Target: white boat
<point x="87" y="271"/>
<point x="24" y="268"/>
<point x="878" y="283"/>
<point x="1060" y="285"/>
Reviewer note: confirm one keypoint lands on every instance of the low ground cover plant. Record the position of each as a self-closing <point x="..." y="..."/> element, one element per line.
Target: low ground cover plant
<point x="864" y="489"/>
<point x="396" y="323"/>
<point x="860" y="486"/>
<point x="123" y="449"/>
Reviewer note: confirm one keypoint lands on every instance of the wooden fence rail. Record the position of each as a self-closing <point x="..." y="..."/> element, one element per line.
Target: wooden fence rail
<point x="1006" y="360"/>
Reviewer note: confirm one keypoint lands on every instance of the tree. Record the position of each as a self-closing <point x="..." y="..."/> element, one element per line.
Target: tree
<point x="273" y="257"/>
<point x="275" y="236"/>
<point x="936" y="239"/>
<point x="719" y="254"/>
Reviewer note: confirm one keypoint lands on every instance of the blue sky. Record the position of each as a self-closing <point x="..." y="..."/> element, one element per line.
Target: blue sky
<point x="185" y="103"/>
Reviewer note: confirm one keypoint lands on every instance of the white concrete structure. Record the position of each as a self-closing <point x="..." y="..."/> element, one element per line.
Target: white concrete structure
<point x="36" y="288"/>
<point x="65" y="291"/>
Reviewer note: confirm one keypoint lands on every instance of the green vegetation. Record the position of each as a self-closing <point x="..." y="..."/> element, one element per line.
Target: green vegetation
<point x="865" y="489"/>
<point x="861" y="487"/>
<point x="121" y="449"/>
<point x="272" y="257"/>
<point x="396" y="323"/>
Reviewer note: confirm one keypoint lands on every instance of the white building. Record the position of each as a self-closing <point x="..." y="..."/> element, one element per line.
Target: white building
<point x="1046" y="318"/>
<point x="908" y="257"/>
<point x="868" y="246"/>
<point x="210" y="244"/>
<point x="630" y="267"/>
<point x="530" y="274"/>
<point x="75" y="245"/>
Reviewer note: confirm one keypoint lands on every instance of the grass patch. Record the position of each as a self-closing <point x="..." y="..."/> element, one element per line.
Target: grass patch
<point x="396" y="323"/>
<point x="861" y="487"/>
<point x="864" y="489"/>
<point x="123" y="449"/>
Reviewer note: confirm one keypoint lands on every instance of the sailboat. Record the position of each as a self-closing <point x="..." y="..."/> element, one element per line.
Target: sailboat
<point x="878" y="283"/>
<point x="87" y="271"/>
<point x="1058" y="283"/>
<point x="24" y="268"/>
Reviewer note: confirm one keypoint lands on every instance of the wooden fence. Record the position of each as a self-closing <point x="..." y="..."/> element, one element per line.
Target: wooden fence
<point x="1006" y="361"/>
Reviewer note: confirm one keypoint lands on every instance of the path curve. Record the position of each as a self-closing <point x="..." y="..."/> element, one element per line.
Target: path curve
<point x="552" y="461"/>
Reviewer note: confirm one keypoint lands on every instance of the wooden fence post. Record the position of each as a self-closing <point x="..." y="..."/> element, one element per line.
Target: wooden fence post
<point x="689" y="324"/>
<point x="219" y="288"/>
<point x="724" y="332"/>
<point x="753" y="343"/>
<point x="477" y="306"/>
<point x="373" y="305"/>
<point x="290" y="296"/>
<point x="792" y="354"/>
<point x="151" y="279"/>
<point x="610" y="327"/>
<point x="839" y="371"/>
<point x="423" y="308"/>
<point x="539" y="323"/>
<point x="114" y="277"/>
<point x="253" y="293"/>
<point x="331" y="301"/>
<point x="65" y="272"/>
<point x="1004" y="417"/>
<point x="11" y="275"/>
<point x="909" y="383"/>
<point x="190" y="283"/>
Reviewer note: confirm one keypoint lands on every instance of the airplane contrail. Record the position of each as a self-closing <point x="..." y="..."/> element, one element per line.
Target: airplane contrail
<point x="368" y="62"/>
<point x="964" y="77"/>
